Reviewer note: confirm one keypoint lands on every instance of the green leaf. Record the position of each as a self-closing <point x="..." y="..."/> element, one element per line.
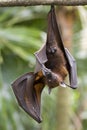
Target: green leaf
<point x="26" y="37"/>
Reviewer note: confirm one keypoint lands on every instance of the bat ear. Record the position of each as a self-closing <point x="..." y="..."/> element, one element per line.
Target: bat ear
<point x="27" y="96"/>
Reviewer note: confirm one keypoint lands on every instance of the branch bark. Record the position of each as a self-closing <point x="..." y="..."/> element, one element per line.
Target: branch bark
<point x="5" y="3"/>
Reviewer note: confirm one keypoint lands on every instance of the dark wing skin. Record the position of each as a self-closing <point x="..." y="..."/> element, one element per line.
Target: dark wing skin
<point x="71" y="63"/>
<point x="73" y="69"/>
<point x="27" y="90"/>
<point x="41" y="58"/>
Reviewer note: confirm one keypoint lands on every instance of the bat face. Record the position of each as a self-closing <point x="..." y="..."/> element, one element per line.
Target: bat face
<point x="53" y="64"/>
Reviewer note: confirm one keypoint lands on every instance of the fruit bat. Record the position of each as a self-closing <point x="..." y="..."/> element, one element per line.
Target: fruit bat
<point x="53" y="63"/>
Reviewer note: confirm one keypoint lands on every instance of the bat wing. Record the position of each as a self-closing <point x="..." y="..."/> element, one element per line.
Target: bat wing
<point x="71" y="63"/>
<point x="41" y="58"/>
<point x="28" y="94"/>
<point x="72" y="69"/>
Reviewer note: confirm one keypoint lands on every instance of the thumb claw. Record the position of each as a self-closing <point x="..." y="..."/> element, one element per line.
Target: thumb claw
<point x="62" y="85"/>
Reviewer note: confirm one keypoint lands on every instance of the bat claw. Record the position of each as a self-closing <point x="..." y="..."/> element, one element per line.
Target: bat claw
<point x="62" y="84"/>
<point x="70" y="86"/>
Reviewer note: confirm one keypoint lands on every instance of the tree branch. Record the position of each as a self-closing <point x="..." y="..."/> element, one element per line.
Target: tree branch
<point x="5" y="3"/>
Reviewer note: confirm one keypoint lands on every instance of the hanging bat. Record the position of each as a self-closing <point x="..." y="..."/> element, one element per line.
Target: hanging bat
<point x="53" y="64"/>
<point x="56" y="59"/>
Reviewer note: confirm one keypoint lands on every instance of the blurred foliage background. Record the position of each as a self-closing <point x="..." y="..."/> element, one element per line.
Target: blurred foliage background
<point x="22" y="32"/>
